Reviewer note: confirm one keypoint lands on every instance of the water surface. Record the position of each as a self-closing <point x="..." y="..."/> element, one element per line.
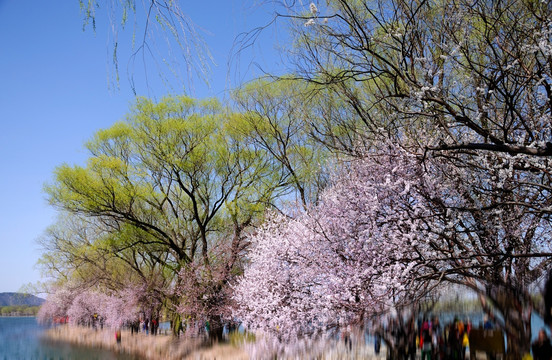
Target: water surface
<point x="20" y="339"/>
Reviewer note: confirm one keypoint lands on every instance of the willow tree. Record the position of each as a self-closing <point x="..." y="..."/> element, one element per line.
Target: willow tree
<point x="162" y="35"/>
<point x="174" y="185"/>
<point x="277" y="119"/>
<point x="82" y="255"/>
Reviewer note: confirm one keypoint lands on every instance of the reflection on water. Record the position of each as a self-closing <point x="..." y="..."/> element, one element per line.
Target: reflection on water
<point x="20" y="340"/>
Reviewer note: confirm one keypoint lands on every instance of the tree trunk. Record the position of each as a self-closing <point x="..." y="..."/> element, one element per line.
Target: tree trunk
<point x="215" y="329"/>
<point x="518" y="334"/>
<point x="176" y="325"/>
<point x="517" y="321"/>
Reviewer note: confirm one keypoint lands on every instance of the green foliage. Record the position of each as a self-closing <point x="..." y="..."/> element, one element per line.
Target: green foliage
<point x="19" y="310"/>
<point x="277" y="119"/>
<point x="238" y="338"/>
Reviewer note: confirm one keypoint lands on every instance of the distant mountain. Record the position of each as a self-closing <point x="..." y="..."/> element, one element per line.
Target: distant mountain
<point x="14" y="299"/>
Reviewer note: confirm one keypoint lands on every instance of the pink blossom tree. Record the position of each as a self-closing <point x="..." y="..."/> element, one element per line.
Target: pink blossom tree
<point x="57" y="305"/>
<point x="491" y="220"/>
<point x="393" y="225"/>
<point x="86" y="306"/>
<point x="355" y="255"/>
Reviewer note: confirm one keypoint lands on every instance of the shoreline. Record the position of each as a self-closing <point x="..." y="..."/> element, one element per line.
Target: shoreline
<point x="161" y="347"/>
<point x="150" y="347"/>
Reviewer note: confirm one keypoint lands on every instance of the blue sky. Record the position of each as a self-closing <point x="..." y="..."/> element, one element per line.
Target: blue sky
<point x="55" y="93"/>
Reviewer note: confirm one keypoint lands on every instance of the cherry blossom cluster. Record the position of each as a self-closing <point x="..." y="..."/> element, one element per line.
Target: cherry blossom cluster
<point x="350" y="257"/>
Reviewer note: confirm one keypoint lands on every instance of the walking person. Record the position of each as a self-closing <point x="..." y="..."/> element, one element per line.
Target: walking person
<point x="425" y="340"/>
<point x="377" y="343"/>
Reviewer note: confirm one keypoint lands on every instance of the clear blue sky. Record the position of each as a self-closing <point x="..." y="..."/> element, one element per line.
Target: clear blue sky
<point x="54" y="94"/>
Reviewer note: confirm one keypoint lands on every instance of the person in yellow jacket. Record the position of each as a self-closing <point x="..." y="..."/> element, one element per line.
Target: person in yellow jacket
<point x="465" y="344"/>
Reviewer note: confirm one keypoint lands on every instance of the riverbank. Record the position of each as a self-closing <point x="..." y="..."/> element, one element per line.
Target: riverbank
<point x="143" y="346"/>
<point x="159" y="347"/>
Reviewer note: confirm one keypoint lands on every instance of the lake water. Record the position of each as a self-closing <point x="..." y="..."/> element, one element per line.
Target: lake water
<point x="20" y="340"/>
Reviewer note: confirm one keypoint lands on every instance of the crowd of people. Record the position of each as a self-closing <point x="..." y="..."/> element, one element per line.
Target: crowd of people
<point x="450" y="341"/>
<point x="146" y="326"/>
<point x="428" y="336"/>
<point x="438" y="342"/>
